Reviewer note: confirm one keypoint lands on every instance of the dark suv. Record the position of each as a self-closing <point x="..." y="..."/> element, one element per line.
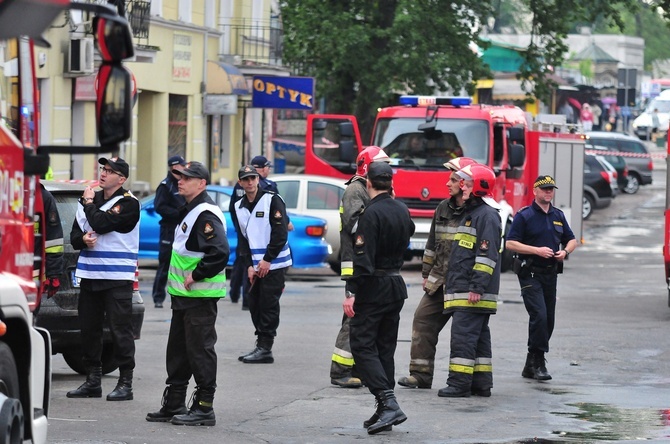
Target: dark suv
<point x="599" y="185"/>
<point x="59" y="314"/>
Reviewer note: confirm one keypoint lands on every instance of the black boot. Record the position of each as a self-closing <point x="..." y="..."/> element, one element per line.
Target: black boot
<point x="124" y="387"/>
<point x="241" y="358"/>
<point x="201" y="411"/>
<point x="539" y="367"/>
<point x="173" y="403"/>
<point x="375" y="416"/>
<point x="263" y="353"/>
<point x="527" y="371"/>
<point x="390" y="413"/>
<point x="91" y="388"/>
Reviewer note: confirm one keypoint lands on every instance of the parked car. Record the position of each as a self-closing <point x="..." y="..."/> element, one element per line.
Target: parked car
<point x="318" y="196"/>
<point x="307" y="242"/>
<point x="642" y="125"/>
<point x="618" y="162"/>
<point x="59" y="314"/>
<point x="598" y="184"/>
<point x="638" y="160"/>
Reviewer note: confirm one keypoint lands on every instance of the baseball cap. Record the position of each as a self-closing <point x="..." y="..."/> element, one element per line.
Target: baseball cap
<point x="260" y="162"/>
<point x="194" y="169"/>
<point x="176" y="160"/>
<point x="117" y="164"/>
<point x="380" y="170"/>
<point x="247" y="171"/>
<point x="545" y="182"/>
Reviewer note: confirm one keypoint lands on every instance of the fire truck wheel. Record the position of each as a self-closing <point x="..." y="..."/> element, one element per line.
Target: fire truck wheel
<point x="75" y="361"/>
<point x="11" y="412"/>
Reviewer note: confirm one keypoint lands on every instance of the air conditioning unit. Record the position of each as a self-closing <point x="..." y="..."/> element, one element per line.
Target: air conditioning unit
<point x="80" y="56"/>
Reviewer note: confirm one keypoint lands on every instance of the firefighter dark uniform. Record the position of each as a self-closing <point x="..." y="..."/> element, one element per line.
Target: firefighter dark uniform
<point x="264" y="229"/>
<point x="534" y="227"/>
<point x="473" y="267"/>
<point x="354" y="199"/>
<point x="53" y="246"/>
<point x="380" y="242"/>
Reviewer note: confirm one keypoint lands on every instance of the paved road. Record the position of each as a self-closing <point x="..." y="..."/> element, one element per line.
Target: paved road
<point x="610" y="360"/>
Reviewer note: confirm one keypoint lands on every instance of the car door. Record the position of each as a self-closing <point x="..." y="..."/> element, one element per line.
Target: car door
<point x="323" y="200"/>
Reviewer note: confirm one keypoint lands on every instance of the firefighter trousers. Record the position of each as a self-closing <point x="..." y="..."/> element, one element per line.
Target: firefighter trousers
<point x="342" y="363"/>
<point x="470" y="359"/>
<point x="539" y="296"/>
<point x="429" y="320"/>
<point x="264" y="302"/>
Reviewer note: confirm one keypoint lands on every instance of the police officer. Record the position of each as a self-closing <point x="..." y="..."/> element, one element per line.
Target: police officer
<point x="53" y="247"/>
<point x="264" y="248"/>
<point x="472" y="284"/>
<point x="106" y="230"/>
<point x="376" y="292"/>
<point x="537" y="234"/>
<point x="354" y="199"/>
<point x="196" y="282"/>
<point x="167" y="203"/>
<point x="429" y="319"/>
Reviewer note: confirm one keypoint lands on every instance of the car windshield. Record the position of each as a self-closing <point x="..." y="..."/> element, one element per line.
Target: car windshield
<point x="413" y="149"/>
<point x="67" y="209"/>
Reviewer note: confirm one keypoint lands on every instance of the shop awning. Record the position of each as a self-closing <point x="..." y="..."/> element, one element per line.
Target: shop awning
<point x="223" y="78"/>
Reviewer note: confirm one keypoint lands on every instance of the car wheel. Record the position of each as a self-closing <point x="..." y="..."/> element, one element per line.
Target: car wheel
<point x="587" y="206"/>
<point x="75" y="360"/>
<point x="11" y="412"/>
<point x="633" y="185"/>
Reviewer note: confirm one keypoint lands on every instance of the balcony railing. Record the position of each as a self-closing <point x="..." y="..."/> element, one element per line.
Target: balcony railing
<point x="253" y="43"/>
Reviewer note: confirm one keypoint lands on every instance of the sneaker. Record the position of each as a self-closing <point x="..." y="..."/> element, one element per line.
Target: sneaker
<point x="347" y="382"/>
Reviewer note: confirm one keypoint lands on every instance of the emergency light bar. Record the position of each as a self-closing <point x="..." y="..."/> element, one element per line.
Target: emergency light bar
<point x="432" y="100"/>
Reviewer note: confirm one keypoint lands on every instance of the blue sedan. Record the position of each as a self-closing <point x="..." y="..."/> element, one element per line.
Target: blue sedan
<point x="307" y="241"/>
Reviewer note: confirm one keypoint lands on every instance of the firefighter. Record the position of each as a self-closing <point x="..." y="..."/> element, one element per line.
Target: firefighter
<point x="261" y="216"/>
<point x="537" y="233"/>
<point x="354" y="199"/>
<point x="429" y="319"/>
<point x="376" y="293"/>
<point x="472" y="284"/>
<point x="53" y="247"/>
<point x="196" y="282"/>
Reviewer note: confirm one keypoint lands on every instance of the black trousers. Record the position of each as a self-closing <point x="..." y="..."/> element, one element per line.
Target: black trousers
<point x="264" y="302"/>
<point x="116" y="305"/>
<point x="539" y="297"/>
<point x="190" y="347"/>
<point x="239" y="281"/>
<point x="164" y="253"/>
<point x="373" y="339"/>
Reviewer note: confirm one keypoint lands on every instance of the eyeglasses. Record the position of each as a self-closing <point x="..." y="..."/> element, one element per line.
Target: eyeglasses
<point x="110" y="171"/>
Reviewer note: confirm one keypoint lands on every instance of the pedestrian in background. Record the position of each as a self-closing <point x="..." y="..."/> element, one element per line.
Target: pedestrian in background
<point x="472" y="286"/>
<point x="376" y="293"/>
<point x="354" y="200"/>
<point x="264" y="249"/>
<point x="586" y="117"/>
<point x="429" y="317"/>
<point x="167" y="204"/>
<point x="541" y="236"/>
<point x="597" y="116"/>
<point x="196" y="283"/>
<point x="107" y="231"/>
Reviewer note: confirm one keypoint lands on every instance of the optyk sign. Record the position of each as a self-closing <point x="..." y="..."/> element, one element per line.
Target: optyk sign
<point x="283" y="92"/>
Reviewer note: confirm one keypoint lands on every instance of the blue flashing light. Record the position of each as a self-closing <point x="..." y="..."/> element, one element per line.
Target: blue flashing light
<point x="24" y="111"/>
<point x="432" y="100"/>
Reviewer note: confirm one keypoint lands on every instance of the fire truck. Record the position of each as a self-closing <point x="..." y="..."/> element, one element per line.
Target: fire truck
<point x="25" y="350"/>
<point x="666" y="214"/>
<point x="422" y="133"/>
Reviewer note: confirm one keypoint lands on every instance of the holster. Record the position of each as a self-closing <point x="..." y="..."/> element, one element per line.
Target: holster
<point x="522" y="267"/>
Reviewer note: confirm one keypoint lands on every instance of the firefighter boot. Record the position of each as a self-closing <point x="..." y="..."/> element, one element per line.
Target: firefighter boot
<point x="124" y="387"/>
<point x="173" y="403"/>
<point x="412" y="382"/>
<point x="539" y="367"/>
<point x="375" y="416"/>
<point x="527" y="371"/>
<point x="91" y="388"/>
<point x="390" y="413"/>
<point x="263" y="353"/>
<point x="201" y="412"/>
<point x="241" y="358"/>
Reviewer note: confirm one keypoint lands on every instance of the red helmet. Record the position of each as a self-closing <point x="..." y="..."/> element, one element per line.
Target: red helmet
<point x="483" y="177"/>
<point x="459" y="163"/>
<point x="367" y="156"/>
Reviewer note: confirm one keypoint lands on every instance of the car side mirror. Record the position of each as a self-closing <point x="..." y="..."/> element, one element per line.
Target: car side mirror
<point x="114" y="104"/>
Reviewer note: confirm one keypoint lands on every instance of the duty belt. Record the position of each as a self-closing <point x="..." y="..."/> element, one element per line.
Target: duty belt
<point x="550" y="269"/>
<point x="382" y="272"/>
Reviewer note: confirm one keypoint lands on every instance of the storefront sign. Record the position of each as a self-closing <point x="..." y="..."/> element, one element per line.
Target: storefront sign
<point x="220" y="104"/>
<point x="181" y="57"/>
<point x="283" y="92"/>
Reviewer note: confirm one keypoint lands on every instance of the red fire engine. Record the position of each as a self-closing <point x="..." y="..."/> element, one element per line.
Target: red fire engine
<point x="423" y="133"/>
<point x="25" y="350"/>
<point x="666" y="238"/>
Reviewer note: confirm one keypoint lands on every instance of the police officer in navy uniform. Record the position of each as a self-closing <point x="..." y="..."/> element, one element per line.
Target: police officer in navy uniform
<point x="541" y="236"/>
<point x="106" y="230"/>
<point x="196" y="282"/>
<point x="263" y="223"/>
<point x="376" y="293"/>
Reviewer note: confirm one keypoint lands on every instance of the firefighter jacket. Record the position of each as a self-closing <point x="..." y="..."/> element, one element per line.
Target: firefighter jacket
<point x="53" y="246"/>
<point x="168" y="201"/>
<point x="438" y="246"/>
<point x="474" y="264"/>
<point x="200" y="247"/>
<point x="380" y="242"/>
<point x="354" y="200"/>
<point x="116" y="224"/>
<point x="264" y="229"/>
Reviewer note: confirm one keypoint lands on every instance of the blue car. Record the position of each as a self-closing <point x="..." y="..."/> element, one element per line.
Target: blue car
<point x="307" y="242"/>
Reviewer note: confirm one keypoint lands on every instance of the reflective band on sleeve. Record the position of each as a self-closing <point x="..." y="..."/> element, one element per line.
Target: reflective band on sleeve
<point x="484" y="268"/>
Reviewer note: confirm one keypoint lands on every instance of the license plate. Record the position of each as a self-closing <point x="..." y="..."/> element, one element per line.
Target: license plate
<point x="417" y="245"/>
<point x="75" y="280"/>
